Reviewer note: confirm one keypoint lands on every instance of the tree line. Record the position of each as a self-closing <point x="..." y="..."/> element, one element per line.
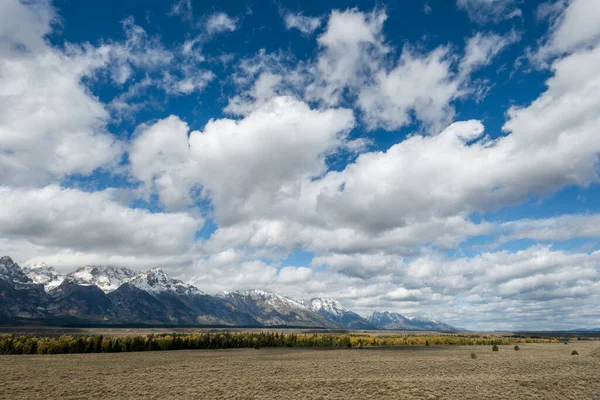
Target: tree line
<point x="27" y="344"/>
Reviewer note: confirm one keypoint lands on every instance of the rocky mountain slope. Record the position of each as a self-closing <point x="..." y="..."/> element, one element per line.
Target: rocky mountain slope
<point x="20" y="297"/>
<point x="273" y="309"/>
<point x="153" y="297"/>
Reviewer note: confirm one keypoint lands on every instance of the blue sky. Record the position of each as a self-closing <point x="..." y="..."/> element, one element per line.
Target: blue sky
<point x="435" y="158"/>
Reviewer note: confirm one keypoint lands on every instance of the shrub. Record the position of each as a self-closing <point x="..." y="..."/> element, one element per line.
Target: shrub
<point x="495" y="347"/>
<point x="473" y="355"/>
<point x="574" y="353"/>
<point x="517" y="348"/>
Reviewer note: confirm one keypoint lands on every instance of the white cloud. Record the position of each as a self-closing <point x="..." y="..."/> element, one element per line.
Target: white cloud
<point x="293" y="275"/>
<point x="483" y="11"/>
<point x="176" y="72"/>
<point x="220" y="22"/>
<point x="50" y="125"/>
<point x="183" y="9"/>
<point x="410" y="194"/>
<point x="499" y="290"/>
<point x="264" y="88"/>
<point x="26" y="26"/>
<point x="574" y="27"/>
<point x="306" y="25"/>
<point x="243" y="166"/>
<point x="423" y="85"/>
<point x="351" y="48"/>
<point x="248" y="166"/>
<point x="562" y="227"/>
<point x="92" y="225"/>
<point x="353" y="66"/>
<point x="552" y="143"/>
<point x="137" y="51"/>
<point x="481" y="49"/>
<point x="159" y="157"/>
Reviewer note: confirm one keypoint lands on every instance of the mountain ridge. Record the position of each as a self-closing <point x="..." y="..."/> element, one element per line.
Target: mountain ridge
<point x="114" y="295"/>
<point x="334" y="311"/>
<point x="397" y="321"/>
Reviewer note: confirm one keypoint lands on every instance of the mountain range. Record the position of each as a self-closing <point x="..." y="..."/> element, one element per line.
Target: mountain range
<point x="119" y="296"/>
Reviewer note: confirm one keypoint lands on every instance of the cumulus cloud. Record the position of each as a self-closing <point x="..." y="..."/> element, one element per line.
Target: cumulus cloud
<point x="573" y="27"/>
<point x="243" y="166"/>
<point x="351" y="47"/>
<point x="159" y="157"/>
<point x="422" y="85"/>
<point x="353" y="66"/>
<point x="88" y="224"/>
<point x="499" y="290"/>
<point x="50" y="125"/>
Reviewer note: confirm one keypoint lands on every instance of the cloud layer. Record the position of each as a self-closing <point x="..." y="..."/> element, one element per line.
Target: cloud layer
<point x="287" y="186"/>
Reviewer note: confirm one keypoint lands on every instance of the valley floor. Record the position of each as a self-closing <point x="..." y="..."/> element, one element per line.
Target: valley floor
<point x="537" y="371"/>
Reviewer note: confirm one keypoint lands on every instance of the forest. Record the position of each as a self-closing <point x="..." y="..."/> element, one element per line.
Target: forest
<point x="28" y="344"/>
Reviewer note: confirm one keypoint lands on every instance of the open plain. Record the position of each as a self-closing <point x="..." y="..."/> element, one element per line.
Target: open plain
<point x="537" y="371"/>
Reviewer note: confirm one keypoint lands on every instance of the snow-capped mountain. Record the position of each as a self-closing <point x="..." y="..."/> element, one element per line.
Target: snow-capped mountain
<point x="112" y="295"/>
<point x="153" y="297"/>
<point x="334" y="311"/>
<point x="156" y="281"/>
<point x="81" y="302"/>
<point x="44" y="275"/>
<point x="106" y="278"/>
<point x="392" y="320"/>
<point x="272" y="309"/>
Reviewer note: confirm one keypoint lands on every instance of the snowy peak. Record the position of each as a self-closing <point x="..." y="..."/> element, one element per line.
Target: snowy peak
<point x="155" y="281"/>
<point x="105" y="277"/>
<point x="334" y="311"/>
<point x="392" y="320"/>
<point x="327" y="304"/>
<point x="273" y="309"/>
<point x="391" y="316"/>
<point x="44" y="275"/>
<point x="277" y="301"/>
<point x="256" y="293"/>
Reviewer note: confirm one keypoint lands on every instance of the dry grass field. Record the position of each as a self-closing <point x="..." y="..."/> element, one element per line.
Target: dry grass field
<point x="537" y="371"/>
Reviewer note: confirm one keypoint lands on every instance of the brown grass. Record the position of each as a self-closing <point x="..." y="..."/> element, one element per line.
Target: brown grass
<point x="537" y="371"/>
